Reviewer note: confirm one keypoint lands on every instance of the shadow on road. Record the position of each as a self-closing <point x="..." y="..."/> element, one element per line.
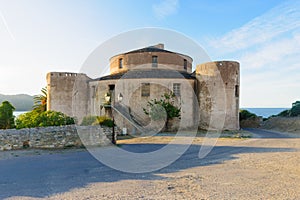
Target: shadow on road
<point x="45" y="175"/>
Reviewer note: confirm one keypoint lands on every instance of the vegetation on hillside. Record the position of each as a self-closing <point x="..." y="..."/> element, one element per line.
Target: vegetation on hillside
<point x="249" y="119"/>
<point x="245" y="114"/>
<point x="7" y="119"/>
<point x="38" y="117"/>
<point x="293" y="112"/>
<point x="21" y="102"/>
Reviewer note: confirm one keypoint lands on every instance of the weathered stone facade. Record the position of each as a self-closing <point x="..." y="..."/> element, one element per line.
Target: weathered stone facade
<point x="55" y="137"/>
<point x="209" y="96"/>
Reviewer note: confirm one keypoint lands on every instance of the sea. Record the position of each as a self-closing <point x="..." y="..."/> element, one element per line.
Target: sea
<point x="265" y="112"/>
<point x="17" y="113"/>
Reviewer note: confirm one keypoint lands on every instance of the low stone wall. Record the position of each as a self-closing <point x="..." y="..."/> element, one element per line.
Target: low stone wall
<point x="55" y="137"/>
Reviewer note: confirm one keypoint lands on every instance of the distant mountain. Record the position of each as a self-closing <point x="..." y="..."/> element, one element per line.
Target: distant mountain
<point x="22" y="102"/>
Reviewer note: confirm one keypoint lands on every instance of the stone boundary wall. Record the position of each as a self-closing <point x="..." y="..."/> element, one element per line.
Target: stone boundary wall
<point x="55" y="137"/>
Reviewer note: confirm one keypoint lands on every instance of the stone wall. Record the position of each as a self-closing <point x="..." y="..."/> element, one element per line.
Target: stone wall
<point x="55" y="137"/>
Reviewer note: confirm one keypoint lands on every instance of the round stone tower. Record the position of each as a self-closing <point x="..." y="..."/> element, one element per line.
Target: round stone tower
<point x="153" y="57"/>
<point x="218" y="94"/>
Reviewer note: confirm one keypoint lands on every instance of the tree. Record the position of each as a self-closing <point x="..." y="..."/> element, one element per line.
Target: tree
<point x="245" y="114"/>
<point x="295" y="110"/>
<point x="164" y="108"/>
<point x="40" y="101"/>
<point x="7" y="119"/>
<point x="35" y="118"/>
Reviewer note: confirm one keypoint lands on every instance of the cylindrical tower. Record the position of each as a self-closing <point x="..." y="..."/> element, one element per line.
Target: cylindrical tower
<point x="218" y="93"/>
<point x="153" y="57"/>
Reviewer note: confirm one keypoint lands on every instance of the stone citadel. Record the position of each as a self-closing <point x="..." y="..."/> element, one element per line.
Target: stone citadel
<point x="209" y="96"/>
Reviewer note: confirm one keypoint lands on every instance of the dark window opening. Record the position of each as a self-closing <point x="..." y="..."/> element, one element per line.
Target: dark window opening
<point x="145" y="90"/>
<point x="154" y="61"/>
<point x="185" y="64"/>
<point x="237" y="91"/>
<point x="120" y="63"/>
<point x="111" y="87"/>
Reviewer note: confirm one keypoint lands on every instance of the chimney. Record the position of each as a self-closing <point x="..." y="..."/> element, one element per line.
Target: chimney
<point x="159" y="46"/>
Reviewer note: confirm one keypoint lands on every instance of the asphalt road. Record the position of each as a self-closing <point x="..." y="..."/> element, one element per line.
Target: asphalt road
<point x="258" y="133"/>
<point x="47" y="174"/>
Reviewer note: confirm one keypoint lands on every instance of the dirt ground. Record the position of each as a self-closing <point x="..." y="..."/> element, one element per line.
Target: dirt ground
<point x="257" y="174"/>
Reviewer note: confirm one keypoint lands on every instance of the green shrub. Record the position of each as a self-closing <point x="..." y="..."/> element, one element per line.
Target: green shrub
<point x="105" y="121"/>
<point x="245" y="114"/>
<point x="97" y="120"/>
<point x="164" y="107"/>
<point x="35" y="118"/>
<point x="88" y="120"/>
<point x="7" y="119"/>
<point x="295" y="111"/>
<point x="285" y="113"/>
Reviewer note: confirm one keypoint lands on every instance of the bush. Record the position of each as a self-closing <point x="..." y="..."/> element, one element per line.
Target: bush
<point x="97" y="120"/>
<point x="245" y="114"/>
<point x="88" y="120"/>
<point x="42" y="119"/>
<point x="285" y="113"/>
<point x="105" y="121"/>
<point x="7" y="119"/>
<point x="164" y="107"/>
<point x="295" y="111"/>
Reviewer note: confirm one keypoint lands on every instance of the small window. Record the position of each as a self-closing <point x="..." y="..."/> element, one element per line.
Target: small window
<point x="237" y="91"/>
<point x="185" y="64"/>
<point x="176" y="89"/>
<point x="120" y="63"/>
<point x="145" y="90"/>
<point x="154" y="61"/>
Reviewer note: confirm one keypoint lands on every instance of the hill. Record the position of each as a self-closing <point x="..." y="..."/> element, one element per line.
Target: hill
<point x="22" y="102"/>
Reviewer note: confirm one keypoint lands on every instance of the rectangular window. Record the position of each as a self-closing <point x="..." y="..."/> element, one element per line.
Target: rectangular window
<point x="176" y="89"/>
<point x="154" y="61"/>
<point x="236" y="91"/>
<point x="145" y="90"/>
<point x="120" y="63"/>
<point x="185" y="64"/>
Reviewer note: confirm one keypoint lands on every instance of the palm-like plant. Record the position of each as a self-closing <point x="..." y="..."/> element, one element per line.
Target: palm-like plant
<point x="40" y="101"/>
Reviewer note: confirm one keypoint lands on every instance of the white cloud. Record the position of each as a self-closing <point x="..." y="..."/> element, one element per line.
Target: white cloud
<point x="268" y="49"/>
<point x="165" y="8"/>
<point x="272" y="53"/>
<point x="281" y="19"/>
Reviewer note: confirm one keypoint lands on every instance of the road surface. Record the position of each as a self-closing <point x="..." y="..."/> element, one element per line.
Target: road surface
<point x="265" y="167"/>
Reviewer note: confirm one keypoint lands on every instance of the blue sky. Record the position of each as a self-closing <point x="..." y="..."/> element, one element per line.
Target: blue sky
<point x="38" y="36"/>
